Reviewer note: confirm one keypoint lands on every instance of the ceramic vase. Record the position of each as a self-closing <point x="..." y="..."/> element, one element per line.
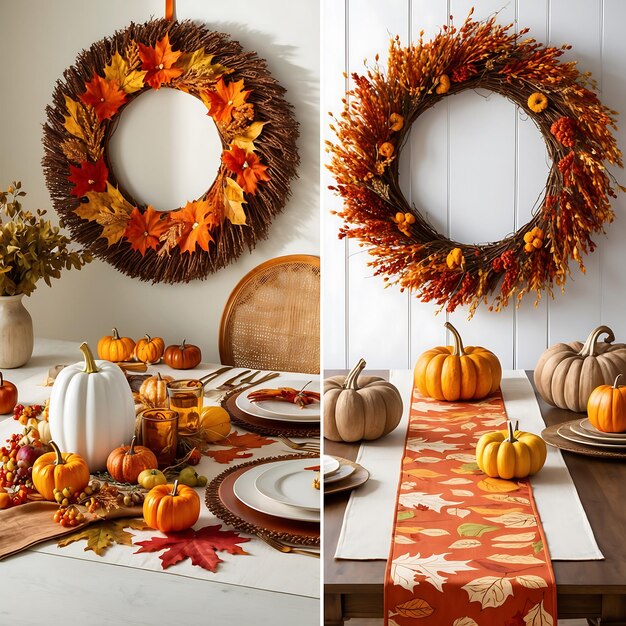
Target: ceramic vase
<point x="16" y="332"/>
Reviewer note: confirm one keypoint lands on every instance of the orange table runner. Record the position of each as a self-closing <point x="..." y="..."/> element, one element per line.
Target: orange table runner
<point x="466" y="550"/>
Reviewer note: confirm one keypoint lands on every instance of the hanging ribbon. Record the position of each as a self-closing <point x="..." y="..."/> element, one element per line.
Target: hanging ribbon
<point x="169" y="10"/>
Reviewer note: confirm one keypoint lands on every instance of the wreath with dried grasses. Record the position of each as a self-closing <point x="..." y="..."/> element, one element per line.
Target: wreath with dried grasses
<point x="256" y="126"/>
<point x="375" y="125"/>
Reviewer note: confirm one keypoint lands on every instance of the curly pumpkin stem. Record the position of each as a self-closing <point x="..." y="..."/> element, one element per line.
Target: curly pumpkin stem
<point x="90" y="363"/>
<point x="352" y="377"/>
<point x="458" y="342"/>
<point x="615" y="385"/>
<point x="591" y="345"/>
<point x="59" y="460"/>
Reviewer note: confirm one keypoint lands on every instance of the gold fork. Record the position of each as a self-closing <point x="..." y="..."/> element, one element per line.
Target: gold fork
<point x="308" y="446"/>
<point x="286" y="549"/>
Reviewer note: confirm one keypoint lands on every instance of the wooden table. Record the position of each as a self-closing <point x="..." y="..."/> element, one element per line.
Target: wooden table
<point x="595" y="590"/>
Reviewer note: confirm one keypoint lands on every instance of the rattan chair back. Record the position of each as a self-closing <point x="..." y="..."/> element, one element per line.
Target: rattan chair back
<point x="272" y="318"/>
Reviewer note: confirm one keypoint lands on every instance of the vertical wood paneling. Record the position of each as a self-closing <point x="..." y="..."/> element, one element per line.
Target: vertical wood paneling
<point x="334" y="251"/>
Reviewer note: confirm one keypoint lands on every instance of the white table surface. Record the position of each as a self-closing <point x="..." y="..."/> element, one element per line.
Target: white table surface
<point x="39" y="588"/>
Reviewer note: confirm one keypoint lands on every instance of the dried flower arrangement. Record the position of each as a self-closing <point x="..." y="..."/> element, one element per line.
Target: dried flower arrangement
<point x="374" y="126"/>
<point x="255" y="123"/>
<point x="31" y="248"/>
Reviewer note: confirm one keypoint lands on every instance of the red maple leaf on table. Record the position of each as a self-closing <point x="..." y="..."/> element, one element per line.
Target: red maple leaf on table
<point x="158" y="62"/>
<point x="145" y="229"/>
<point x="248" y="167"/>
<point x="225" y="99"/>
<point x="88" y="177"/>
<point x="237" y="446"/>
<point x="200" y="546"/>
<point x="105" y="96"/>
<point x="197" y="219"/>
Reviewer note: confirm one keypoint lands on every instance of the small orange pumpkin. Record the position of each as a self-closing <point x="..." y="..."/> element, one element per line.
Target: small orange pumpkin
<point x="115" y="348"/>
<point x="54" y="470"/>
<point x="606" y="407"/>
<point x="456" y="373"/>
<point x="127" y="462"/>
<point x="171" y="507"/>
<point x="5" y="500"/>
<point x="149" y="349"/>
<point x="154" y="390"/>
<point x="183" y="357"/>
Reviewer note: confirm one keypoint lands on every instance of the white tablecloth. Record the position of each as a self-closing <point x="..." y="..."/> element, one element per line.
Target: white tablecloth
<point x="368" y="520"/>
<point x="283" y="589"/>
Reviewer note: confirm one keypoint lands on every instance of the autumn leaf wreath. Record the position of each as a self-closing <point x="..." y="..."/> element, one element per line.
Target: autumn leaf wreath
<point x="259" y="157"/>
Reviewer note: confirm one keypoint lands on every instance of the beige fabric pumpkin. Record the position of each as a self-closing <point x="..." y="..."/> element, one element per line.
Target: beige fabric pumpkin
<point x="358" y="408"/>
<point x="567" y="373"/>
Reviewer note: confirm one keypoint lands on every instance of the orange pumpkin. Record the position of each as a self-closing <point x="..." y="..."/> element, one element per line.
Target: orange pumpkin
<point x="149" y="349"/>
<point x="5" y="500"/>
<point x="54" y="470"/>
<point x="456" y="373"/>
<point x="183" y="357"/>
<point x="115" y="348"/>
<point x="127" y="462"/>
<point x="171" y="507"/>
<point x="606" y="407"/>
<point x="154" y="390"/>
<point x="8" y="395"/>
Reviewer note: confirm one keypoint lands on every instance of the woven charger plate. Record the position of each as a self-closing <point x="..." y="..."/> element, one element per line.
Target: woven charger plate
<point x="223" y="503"/>
<point x="273" y="428"/>
<point x="551" y="436"/>
<point x="359" y="477"/>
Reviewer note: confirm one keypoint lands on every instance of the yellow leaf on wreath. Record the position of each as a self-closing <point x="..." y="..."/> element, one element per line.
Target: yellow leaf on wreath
<point x="72" y="121"/>
<point x="245" y="141"/>
<point x="114" y="224"/>
<point x="498" y="485"/>
<point x="202" y="63"/>
<point x="415" y="608"/>
<point x="118" y="70"/>
<point x="233" y="202"/>
<point x="109" y="209"/>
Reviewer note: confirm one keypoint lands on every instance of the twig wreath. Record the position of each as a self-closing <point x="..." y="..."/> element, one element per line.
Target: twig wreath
<point x="256" y="126"/>
<point x="375" y="124"/>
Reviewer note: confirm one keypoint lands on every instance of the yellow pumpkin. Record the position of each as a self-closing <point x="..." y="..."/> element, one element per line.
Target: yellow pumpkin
<point x="215" y="422"/>
<point x="115" y="348"/>
<point x="606" y="408"/>
<point x="510" y="454"/>
<point x="456" y="373"/>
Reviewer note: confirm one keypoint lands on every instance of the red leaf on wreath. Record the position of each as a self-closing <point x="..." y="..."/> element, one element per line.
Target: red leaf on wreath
<point x="105" y="96"/>
<point x="197" y="219"/>
<point x="145" y="229"/>
<point x="158" y="62"/>
<point x="88" y="177"/>
<point x="200" y="546"/>
<point x="237" y="446"/>
<point x="247" y="166"/>
<point x="225" y="99"/>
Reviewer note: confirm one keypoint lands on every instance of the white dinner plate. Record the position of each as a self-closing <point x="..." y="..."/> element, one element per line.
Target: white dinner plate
<point x="567" y="433"/>
<point x="590" y="430"/>
<point x="285" y="410"/>
<point x="246" y="492"/>
<point x="578" y="429"/>
<point x="343" y="472"/>
<point x="289" y="483"/>
<point x="330" y="465"/>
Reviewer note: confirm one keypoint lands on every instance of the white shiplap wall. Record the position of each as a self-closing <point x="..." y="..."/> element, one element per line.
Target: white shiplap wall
<point x="476" y="166"/>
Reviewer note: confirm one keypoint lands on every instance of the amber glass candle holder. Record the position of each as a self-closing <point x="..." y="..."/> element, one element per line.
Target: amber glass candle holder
<point x="185" y="397"/>
<point x="159" y="432"/>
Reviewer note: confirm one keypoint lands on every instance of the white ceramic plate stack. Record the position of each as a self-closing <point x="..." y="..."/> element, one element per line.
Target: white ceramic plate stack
<point x="585" y="433"/>
<point x="282" y="411"/>
<point x="334" y="471"/>
<point x="282" y="489"/>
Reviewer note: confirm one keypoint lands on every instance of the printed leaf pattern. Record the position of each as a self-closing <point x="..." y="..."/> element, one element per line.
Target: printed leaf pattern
<point x="474" y="539"/>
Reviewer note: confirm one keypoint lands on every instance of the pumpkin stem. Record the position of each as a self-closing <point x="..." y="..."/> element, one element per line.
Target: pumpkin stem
<point x="511" y="437"/>
<point x="159" y="376"/>
<point x="90" y="364"/>
<point x="615" y="385"/>
<point x="591" y="345"/>
<point x="352" y="377"/>
<point x="148" y="338"/>
<point x="1" y="380"/>
<point x="458" y="342"/>
<point x="115" y="334"/>
<point x="174" y="488"/>
<point x="59" y="460"/>
<point x="182" y="347"/>
<point x="131" y="450"/>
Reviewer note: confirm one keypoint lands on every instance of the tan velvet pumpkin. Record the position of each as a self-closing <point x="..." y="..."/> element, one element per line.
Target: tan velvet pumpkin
<point x="358" y="408"/>
<point x="567" y="373"/>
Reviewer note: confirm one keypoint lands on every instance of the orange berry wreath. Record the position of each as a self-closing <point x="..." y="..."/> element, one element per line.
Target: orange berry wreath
<point x="259" y="156"/>
<point x="374" y="125"/>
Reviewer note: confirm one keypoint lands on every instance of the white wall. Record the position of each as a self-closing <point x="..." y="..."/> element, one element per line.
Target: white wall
<point x="476" y="166"/>
<point x="39" y="39"/>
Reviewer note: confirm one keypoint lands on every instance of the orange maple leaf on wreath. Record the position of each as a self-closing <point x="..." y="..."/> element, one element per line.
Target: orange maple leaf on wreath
<point x="197" y="218"/>
<point x="145" y="229"/>
<point x="105" y="96"/>
<point x="158" y="62"/>
<point x="225" y="99"/>
<point x="247" y="166"/>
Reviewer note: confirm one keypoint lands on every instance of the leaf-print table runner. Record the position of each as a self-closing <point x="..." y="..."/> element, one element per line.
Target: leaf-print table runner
<point x="467" y="550"/>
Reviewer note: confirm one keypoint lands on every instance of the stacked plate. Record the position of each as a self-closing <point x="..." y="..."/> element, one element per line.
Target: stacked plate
<point x="340" y="474"/>
<point x="282" y="489"/>
<point x="583" y="432"/>
<point x="283" y="411"/>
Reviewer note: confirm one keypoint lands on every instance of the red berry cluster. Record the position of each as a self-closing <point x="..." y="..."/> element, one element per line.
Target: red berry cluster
<point x="23" y="413"/>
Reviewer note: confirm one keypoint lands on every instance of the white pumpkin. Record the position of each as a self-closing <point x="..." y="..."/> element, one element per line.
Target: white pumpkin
<point x="91" y="409"/>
